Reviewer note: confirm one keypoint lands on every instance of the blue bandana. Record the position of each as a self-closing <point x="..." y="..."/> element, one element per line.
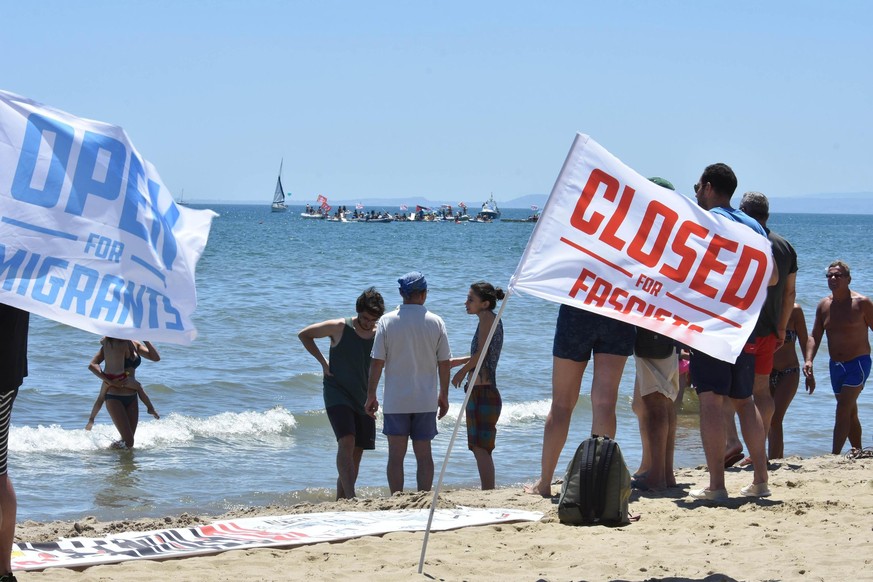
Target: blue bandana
<point x="412" y="283"/>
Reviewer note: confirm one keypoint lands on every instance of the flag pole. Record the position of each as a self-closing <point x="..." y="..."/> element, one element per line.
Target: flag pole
<point x="545" y="215"/>
<point x="436" y="492"/>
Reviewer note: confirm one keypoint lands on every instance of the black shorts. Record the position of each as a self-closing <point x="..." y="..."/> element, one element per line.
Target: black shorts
<point x="735" y="380"/>
<point x="6" y="401"/>
<point x="578" y="333"/>
<point x="346" y="421"/>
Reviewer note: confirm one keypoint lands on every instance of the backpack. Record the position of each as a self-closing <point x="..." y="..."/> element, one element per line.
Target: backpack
<point x="597" y="485"/>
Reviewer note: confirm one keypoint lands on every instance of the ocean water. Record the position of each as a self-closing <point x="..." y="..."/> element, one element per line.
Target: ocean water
<point x="242" y="419"/>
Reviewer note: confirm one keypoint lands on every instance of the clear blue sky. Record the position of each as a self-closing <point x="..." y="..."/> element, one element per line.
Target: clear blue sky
<point x="454" y="100"/>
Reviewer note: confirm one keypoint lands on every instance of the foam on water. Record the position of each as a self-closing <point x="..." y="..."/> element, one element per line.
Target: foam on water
<point x="173" y="430"/>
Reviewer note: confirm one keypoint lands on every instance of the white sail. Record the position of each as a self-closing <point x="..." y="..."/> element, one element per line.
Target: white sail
<point x="279" y="196"/>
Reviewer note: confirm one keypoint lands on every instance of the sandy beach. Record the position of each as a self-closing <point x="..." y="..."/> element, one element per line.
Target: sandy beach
<point x="818" y="525"/>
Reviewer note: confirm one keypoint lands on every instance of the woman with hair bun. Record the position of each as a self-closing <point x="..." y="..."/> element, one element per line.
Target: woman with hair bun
<point x="484" y="405"/>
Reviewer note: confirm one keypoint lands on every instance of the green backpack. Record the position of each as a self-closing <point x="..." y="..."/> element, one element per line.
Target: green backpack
<point x="597" y="485"/>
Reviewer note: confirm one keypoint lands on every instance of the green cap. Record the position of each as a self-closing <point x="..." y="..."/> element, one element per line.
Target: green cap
<point x="662" y="183"/>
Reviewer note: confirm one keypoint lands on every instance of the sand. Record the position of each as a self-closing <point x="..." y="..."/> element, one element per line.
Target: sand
<point x="818" y="525"/>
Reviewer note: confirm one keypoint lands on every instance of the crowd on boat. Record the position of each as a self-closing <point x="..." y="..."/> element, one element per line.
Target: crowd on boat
<point x="445" y="213"/>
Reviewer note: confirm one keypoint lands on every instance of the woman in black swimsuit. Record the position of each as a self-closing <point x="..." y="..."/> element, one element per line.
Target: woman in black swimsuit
<point x="120" y="387"/>
<point x="785" y="378"/>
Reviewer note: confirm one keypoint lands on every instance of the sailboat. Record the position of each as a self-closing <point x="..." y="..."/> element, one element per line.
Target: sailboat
<point x="279" y="196"/>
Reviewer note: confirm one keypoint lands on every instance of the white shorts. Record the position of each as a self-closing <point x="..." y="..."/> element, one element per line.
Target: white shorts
<point x="661" y="375"/>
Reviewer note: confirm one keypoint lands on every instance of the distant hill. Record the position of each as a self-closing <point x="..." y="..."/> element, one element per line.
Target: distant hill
<point x="857" y="203"/>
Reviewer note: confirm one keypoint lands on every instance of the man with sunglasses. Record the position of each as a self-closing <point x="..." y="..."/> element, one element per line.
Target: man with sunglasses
<point x="718" y="382"/>
<point x="345" y="383"/>
<point x="845" y="316"/>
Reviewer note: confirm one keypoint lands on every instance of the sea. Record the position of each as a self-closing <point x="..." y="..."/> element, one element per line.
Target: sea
<point x="242" y="418"/>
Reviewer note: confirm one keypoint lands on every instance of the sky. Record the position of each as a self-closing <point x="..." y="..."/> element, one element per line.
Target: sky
<point x="453" y="101"/>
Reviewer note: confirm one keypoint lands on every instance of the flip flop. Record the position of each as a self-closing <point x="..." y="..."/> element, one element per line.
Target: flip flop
<point x="639" y="485"/>
<point x="732" y="460"/>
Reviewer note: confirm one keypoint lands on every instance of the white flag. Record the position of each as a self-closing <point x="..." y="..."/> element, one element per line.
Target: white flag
<point x="89" y="234"/>
<point x="610" y="241"/>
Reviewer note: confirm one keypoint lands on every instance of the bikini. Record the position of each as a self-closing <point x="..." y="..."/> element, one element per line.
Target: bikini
<point x="125" y="399"/>
<point x="133" y="363"/>
<point x="777" y="375"/>
<point x="121" y="376"/>
<point x="129" y="364"/>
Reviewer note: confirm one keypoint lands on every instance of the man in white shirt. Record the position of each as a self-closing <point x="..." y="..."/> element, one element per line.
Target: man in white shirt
<point x="412" y="346"/>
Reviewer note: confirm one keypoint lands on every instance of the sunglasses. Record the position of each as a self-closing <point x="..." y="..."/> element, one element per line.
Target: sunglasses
<point x="835" y="275"/>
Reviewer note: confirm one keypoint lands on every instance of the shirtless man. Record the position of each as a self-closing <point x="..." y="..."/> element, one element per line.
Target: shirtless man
<point x="845" y="316"/>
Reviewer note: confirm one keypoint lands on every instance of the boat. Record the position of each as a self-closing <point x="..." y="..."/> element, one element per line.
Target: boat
<point x="313" y="213"/>
<point x="489" y="210"/>
<point x="376" y="217"/>
<point x="531" y="218"/>
<point x="181" y="200"/>
<point x="462" y="215"/>
<point x="279" y="196"/>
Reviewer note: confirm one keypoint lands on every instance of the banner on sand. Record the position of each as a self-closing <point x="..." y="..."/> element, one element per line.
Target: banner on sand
<point x="89" y="234"/>
<point x="610" y="241"/>
<point x="252" y="532"/>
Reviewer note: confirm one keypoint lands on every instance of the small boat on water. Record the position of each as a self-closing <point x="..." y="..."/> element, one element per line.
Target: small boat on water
<point x="279" y="196"/>
<point x="382" y="216"/>
<point x="314" y="213"/>
<point x="489" y="210"/>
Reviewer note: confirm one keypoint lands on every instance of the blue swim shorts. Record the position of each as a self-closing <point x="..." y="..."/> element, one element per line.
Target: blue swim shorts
<point x="578" y="333"/>
<point x="852" y="374"/>
<point x="735" y="380"/>
<point x="420" y="426"/>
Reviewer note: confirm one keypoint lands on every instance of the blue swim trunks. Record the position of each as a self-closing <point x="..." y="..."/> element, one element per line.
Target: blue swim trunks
<point x="419" y="426"/>
<point x="578" y="333"/>
<point x="853" y="373"/>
